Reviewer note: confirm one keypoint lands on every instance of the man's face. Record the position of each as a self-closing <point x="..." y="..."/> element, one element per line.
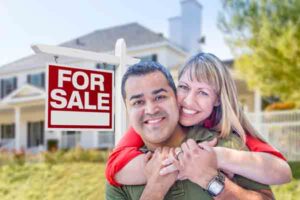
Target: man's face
<point x="152" y="107"/>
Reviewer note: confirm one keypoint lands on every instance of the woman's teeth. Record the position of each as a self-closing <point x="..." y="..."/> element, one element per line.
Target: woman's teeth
<point x="187" y="111"/>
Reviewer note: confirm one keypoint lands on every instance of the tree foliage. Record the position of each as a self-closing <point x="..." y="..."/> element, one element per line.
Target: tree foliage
<point x="264" y="36"/>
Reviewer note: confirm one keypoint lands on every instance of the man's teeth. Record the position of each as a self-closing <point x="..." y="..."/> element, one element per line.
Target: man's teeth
<point x="187" y="111"/>
<point x="153" y="121"/>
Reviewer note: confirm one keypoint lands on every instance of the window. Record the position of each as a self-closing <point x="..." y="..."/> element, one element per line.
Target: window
<point x="35" y="131"/>
<point x="36" y="79"/>
<point x="152" y="57"/>
<point x="70" y="139"/>
<point x="105" y="66"/>
<point x="7" y="131"/>
<point x="8" y="85"/>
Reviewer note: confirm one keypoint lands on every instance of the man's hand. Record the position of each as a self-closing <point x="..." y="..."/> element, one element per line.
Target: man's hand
<point x="157" y="186"/>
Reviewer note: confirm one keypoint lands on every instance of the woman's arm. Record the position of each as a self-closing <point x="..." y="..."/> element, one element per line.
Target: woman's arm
<point x="258" y="166"/>
<point x="126" y="150"/>
<point x="133" y="172"/>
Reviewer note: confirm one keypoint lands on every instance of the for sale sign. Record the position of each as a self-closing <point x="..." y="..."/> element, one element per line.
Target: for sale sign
<point x="79" y="98"/>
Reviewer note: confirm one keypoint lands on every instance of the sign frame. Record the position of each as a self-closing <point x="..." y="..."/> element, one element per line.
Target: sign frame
<point x="63" y="128"/>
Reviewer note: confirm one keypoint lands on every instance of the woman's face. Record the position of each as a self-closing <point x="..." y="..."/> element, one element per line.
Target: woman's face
<point x="196" y="100"/>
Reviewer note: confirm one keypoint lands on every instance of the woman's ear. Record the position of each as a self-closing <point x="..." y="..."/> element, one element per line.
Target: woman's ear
<point x="217" y="102"/>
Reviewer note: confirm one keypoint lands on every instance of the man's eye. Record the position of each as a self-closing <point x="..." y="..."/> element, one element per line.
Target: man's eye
<point x="137" y="103"/>
<point x="160" y="97"/>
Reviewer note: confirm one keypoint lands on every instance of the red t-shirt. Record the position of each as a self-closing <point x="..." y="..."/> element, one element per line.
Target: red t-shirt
<point x="128" y="148"/>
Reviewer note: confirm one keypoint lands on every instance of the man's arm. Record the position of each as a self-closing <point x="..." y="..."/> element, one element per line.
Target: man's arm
<point x="234" y="192"/>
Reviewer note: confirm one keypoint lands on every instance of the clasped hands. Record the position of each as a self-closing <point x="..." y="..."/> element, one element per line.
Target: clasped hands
<point x="196" y="162"/>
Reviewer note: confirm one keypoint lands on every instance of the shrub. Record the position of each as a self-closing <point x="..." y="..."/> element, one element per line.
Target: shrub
<point x="281" y="106"/>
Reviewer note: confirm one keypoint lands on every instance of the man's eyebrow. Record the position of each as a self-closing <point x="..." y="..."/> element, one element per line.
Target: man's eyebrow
<point x="159" y="91"/>
<point x="137" y="96"/>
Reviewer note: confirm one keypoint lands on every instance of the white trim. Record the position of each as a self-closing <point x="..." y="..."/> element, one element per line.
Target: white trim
<point x="159" y="44"/>
<point x="74" y="61"/>
<point x="10" y="98"/>
<point x="82" y="54"/>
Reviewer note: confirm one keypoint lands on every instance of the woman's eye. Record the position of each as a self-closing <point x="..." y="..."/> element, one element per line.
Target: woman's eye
<point x="183" y="87"/>
<point x="203" y="93"/>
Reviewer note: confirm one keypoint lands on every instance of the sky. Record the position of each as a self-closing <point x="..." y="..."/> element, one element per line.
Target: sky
<point x="23" y="23"/>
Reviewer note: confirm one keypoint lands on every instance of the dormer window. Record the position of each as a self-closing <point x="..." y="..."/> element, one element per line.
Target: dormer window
<point x="152" y="57"/>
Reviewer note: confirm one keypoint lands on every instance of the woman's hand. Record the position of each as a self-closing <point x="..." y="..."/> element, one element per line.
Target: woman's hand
<point x="169" y="167"/>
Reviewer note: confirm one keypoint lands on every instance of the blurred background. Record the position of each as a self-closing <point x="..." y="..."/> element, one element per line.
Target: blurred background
<point x="258" y="41"/>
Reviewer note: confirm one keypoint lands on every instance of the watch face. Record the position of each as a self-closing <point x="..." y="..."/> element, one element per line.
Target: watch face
<point x="216" y="187"/>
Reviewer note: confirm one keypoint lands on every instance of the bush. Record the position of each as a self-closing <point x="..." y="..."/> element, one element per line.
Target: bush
<point x="281" y="106"/>
<point x="77" y="154"/>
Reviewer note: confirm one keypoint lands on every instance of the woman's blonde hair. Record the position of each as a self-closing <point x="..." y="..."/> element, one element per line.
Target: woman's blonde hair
<point x="206" y="67"/>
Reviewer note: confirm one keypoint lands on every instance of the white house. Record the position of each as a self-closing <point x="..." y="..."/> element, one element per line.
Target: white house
<point x="22" y="82"/>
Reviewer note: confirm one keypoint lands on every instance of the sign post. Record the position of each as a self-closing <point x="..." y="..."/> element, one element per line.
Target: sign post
<point x="120" y="59"/>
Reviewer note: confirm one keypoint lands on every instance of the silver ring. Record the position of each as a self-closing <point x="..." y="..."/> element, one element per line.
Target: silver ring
<point x="178" y="153"/>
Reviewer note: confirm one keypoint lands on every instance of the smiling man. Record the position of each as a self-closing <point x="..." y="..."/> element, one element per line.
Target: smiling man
<point x="149" y="93"/>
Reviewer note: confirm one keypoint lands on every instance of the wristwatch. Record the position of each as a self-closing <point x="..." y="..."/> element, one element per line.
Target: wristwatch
<point x="216" y="185"/>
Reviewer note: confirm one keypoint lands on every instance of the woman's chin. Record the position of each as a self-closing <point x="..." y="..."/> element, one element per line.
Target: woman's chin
<point x="186" y="123"/>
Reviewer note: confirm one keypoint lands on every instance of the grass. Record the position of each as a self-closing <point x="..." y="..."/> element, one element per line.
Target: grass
<point x="289" y="191"/>
<point x="60" y="181"/>
<point x="82" y="180"/>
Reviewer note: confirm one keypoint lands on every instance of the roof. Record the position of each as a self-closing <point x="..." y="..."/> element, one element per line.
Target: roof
<point x="102" y="40"/>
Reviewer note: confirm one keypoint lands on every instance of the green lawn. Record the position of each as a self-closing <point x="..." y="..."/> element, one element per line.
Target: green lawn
<point x="82" y="181"/>
<point x="60" y="181"/>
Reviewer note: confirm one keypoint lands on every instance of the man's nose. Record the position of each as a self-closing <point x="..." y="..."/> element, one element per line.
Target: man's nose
<point x="151" y="108"/>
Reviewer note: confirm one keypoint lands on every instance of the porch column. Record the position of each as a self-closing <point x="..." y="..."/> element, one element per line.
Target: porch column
<point x="17" y="128"/>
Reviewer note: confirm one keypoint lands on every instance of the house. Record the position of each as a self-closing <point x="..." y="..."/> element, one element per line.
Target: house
<point x="22" y="82"/>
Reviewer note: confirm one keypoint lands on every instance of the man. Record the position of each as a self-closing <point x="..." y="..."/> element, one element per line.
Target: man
<point x="149" y="93"/>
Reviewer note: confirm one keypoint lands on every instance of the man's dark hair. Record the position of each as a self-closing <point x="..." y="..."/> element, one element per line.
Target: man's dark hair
<point x="147" y="67"/>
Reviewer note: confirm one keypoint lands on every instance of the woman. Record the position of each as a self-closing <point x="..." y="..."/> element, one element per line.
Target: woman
<point x="206" y="96"/>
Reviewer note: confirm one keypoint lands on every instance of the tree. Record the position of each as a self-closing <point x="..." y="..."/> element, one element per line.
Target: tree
<point x="264" y="36"/>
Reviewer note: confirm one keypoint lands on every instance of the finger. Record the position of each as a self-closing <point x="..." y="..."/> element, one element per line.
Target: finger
<point x="147" y="157"/>
<point x="167" y="170"/>
<point x="213" y="142"/>
<point x="167" y="161"/>
<point x="205" y="147"/>
<point x="192" y="144"/>
<point x="184" y="147"/>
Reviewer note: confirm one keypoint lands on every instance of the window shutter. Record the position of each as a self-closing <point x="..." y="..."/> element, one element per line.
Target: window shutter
<point x="2" y="88"/>
<point x="15" y="83"/>
<point x="43" y="80"/>
<point x="29" y="78"/>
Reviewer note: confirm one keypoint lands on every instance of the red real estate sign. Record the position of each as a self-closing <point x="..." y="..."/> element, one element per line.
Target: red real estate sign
<point x="79" y="98"/>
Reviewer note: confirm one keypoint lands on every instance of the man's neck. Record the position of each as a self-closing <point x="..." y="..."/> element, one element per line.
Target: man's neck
<point x="174" y="141"/>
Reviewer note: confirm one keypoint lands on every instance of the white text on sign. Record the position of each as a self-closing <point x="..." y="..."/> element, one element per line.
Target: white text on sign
<point x="91" y="81"/>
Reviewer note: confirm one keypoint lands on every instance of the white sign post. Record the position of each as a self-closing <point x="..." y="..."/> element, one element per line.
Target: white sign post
<point x="120" y="58"/>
